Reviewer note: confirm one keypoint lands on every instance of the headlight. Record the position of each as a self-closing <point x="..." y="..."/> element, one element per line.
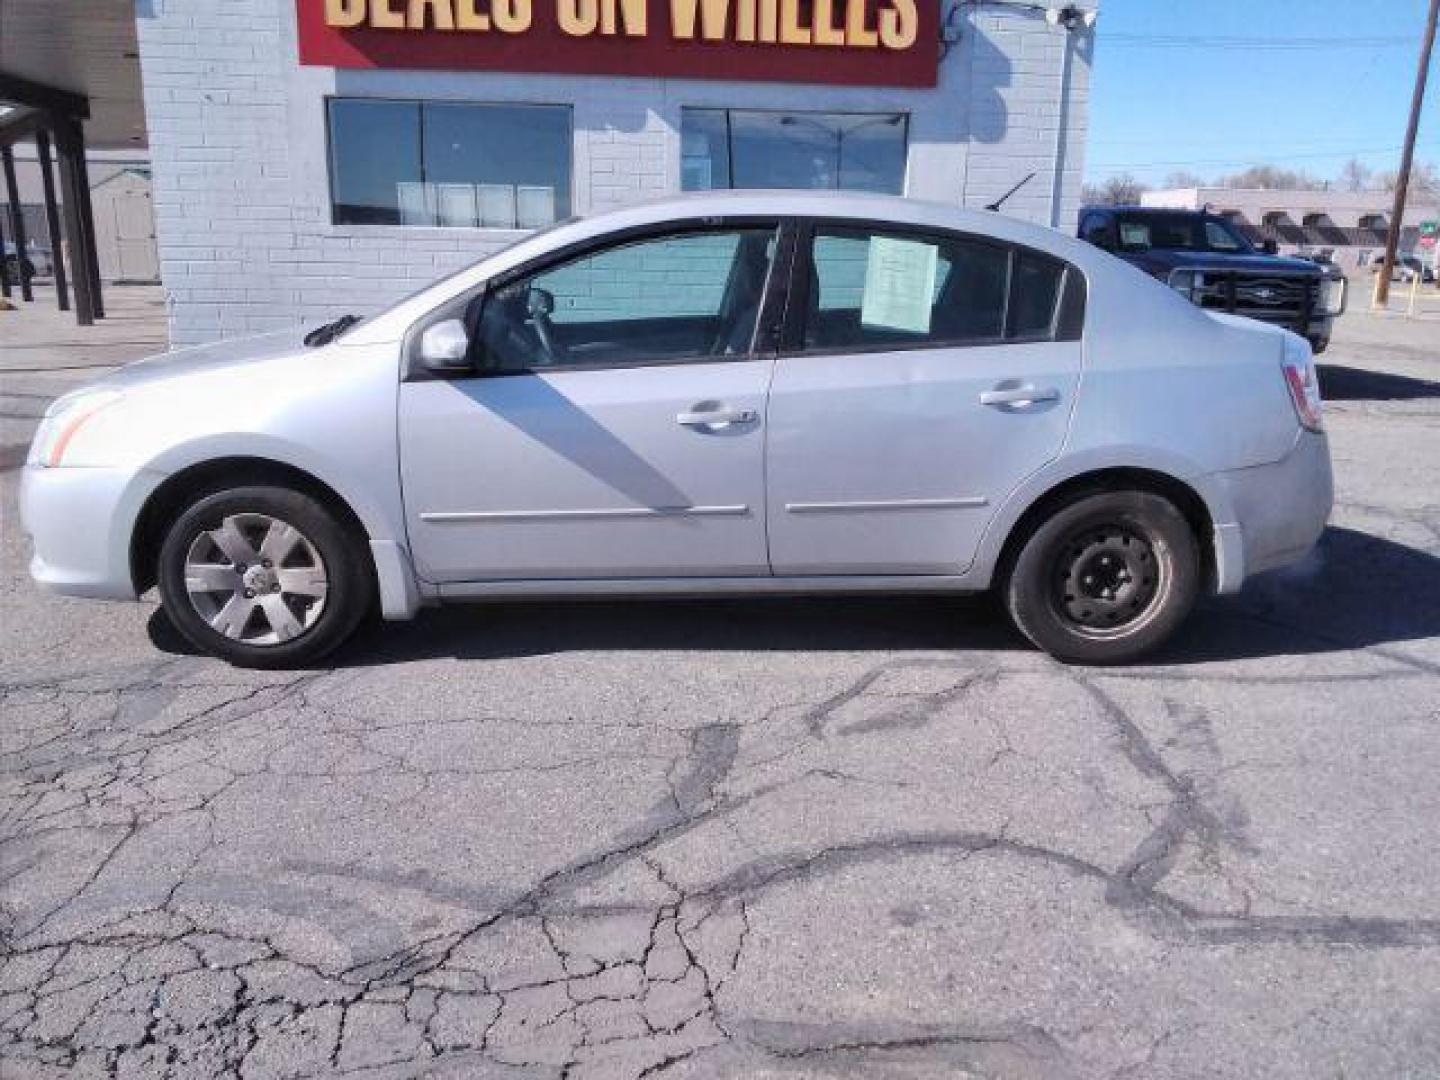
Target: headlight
<point x="1185" y="282"/>
<point x="63" y="421"/>
<point x="1332" y="295"/>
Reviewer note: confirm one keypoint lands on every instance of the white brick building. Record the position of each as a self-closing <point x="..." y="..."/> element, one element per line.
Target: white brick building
<point x="246" y="142"/>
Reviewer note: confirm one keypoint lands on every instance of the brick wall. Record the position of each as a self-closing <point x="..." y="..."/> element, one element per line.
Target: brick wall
<point x="237" y="136"/>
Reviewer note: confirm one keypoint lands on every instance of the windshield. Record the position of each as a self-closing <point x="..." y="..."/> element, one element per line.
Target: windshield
<point x="1180" y="232"/>
<point x="423" y="289"/>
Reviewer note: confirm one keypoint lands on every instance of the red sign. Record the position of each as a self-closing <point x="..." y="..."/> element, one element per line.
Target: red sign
<point x="849" y="42"/>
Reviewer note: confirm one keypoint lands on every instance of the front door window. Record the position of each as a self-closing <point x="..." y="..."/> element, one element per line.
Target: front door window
<point x="671" y="299"/>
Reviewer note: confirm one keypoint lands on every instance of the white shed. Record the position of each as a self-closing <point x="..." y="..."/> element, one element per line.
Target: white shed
<point x="125" y="228"/>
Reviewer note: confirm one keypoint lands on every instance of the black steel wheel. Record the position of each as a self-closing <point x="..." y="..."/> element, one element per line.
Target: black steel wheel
<point x="1105" y="578"/>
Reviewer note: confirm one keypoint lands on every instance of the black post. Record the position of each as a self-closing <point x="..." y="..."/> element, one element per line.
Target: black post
<point x="52" y="218"/>
<point x="69" y="147"/>
<point x="17" y="221"/>
<point x="4" y="263"/>
<point x="87" y="215"/>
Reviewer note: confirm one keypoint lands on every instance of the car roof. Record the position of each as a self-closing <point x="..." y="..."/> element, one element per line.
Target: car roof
<point x="859" y="206"/>
<point x="757" y="203"/>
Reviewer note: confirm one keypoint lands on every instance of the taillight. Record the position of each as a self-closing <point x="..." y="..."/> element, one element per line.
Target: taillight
<point x="1304" y="383"/>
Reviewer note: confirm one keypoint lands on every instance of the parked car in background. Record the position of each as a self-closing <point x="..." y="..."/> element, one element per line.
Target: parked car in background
<point x="1408" y="267"/>
<point x="36" y="262"/>
<point x="1210" y="262"/>
<point x="729" y="393"/>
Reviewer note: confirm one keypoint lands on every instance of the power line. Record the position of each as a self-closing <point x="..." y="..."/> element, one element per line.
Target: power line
<point x="1251" y="158"/>
<point x="1177" y="41"/>
<point x="1150" y="140"/>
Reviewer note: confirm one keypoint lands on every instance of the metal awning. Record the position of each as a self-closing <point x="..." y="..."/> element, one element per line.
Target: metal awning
<point x="69" y="74"/>
<point x="85" y="48"/>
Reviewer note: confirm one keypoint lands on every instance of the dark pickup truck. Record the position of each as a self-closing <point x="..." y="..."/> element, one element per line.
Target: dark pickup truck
<point x="1204" y="256"/>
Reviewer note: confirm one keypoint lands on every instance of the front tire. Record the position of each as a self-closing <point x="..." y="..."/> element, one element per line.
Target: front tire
<point x="264" y="577"/>
<point x="1106" y="578"/>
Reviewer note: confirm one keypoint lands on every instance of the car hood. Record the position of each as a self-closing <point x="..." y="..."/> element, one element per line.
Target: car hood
<point x="234" y="352"/>
<point x="1165" y="261"/>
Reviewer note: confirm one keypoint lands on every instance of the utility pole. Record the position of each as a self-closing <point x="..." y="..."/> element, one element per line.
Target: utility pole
<point x="1402" y="181"/>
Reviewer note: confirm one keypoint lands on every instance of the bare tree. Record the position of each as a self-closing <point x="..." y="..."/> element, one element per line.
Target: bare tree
<point x="1273" y="177"/>
<point x="1355" y="175"/>
<point x="1424" y="179"/>
<point x="1119" y="190"/>
<point x="1183" y="179"/>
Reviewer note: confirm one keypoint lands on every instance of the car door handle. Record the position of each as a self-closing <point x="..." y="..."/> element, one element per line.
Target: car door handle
<point x="716" y="417"/>
<point x="1019" y="395"/>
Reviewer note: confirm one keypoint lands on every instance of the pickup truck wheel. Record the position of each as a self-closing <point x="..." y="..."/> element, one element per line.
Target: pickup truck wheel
<point x="263" y="577"/>
<point x="1106" y="578"/>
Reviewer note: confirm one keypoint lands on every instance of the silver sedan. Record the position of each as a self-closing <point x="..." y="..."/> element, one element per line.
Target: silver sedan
<point x="747" y="392"/>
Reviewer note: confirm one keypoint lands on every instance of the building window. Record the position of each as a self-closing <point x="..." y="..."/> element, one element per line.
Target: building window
<point x="449" y="164"/>
<point x="725" y="148"/>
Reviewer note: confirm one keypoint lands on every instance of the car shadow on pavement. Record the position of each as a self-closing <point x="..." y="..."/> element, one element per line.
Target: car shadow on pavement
<point x="1355" y="590"/>
<point x="769" y="624"/>
<point x="1340" y="383"/>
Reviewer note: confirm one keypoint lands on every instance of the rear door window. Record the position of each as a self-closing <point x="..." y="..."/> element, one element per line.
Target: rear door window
<point x="877" y="289"/>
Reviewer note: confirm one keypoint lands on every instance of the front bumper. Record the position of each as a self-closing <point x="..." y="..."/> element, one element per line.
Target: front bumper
<point x="80" y="522"/>
<point x="1276" y="512"/>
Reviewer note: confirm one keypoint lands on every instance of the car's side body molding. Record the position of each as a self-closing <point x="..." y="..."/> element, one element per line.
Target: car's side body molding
<point x="781" y="585"/>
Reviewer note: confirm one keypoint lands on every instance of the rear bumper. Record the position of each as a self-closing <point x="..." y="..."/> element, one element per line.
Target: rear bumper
<point x="80" y="522"/>
<point x="1276" y="512"/>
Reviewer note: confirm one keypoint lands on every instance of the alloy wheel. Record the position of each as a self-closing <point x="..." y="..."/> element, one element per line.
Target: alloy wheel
<point x="256" y="579"/>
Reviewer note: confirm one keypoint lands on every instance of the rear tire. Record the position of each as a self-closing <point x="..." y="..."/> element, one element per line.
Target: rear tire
<point x="264" y="577"/>
<point x="1107" y="577"/>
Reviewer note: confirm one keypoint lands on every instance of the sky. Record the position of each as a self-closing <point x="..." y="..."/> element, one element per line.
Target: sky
<point x="1211" y="86"/>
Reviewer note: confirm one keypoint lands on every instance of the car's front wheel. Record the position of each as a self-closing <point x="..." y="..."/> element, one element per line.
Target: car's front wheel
<point x="264" y="577"/>
<point x="1107" y="577"/>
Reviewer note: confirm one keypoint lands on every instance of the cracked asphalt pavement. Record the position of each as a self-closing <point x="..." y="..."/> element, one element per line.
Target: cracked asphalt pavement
<point x="874" y="838"/>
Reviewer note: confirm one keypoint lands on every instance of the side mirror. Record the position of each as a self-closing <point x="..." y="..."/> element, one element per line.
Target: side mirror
<point x="445" y="347"/>
<point x="1270" y="246"/>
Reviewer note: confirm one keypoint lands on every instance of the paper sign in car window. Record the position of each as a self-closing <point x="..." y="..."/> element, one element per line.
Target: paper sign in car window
<point x="899" y="284"/>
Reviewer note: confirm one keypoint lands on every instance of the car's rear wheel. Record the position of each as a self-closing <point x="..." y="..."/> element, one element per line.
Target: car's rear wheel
<point x="264" y="577"/>
<point x="1105" y="578"/>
